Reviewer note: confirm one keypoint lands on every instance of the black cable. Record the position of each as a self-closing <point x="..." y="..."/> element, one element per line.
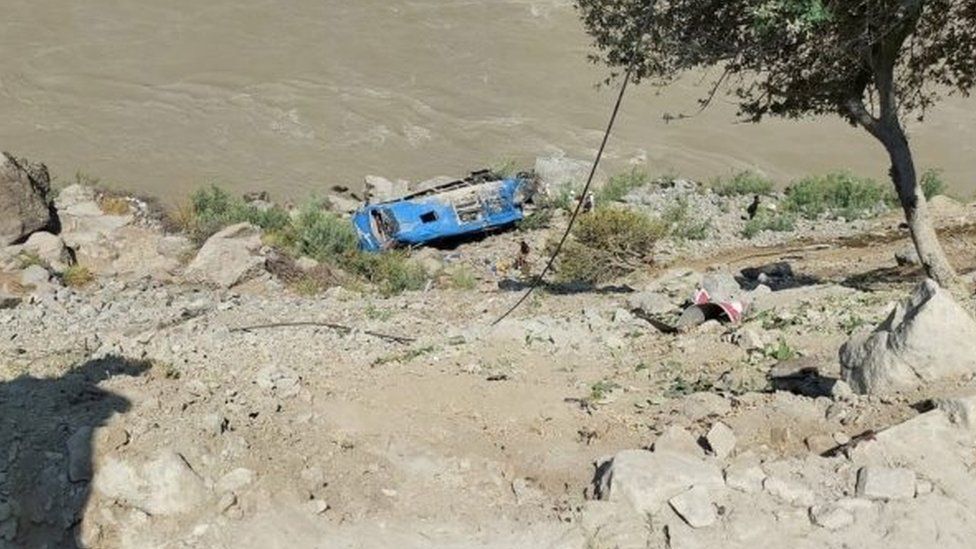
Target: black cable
<point x="589" y="182"/>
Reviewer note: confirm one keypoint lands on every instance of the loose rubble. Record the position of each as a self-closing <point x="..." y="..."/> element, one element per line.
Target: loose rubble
<point x="189" y="397"/>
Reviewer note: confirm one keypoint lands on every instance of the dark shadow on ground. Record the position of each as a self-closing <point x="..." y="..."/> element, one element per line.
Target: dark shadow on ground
<point x="46" y="428"/>
<point x="880" y="278"/>
<point x="556" y="288"/>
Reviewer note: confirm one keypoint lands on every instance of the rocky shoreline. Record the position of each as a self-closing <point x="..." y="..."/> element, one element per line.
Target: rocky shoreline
<point x="159" y="393"/>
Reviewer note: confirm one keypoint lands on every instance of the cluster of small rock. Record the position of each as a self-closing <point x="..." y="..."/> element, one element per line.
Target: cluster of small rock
<point x="902" y="487"/>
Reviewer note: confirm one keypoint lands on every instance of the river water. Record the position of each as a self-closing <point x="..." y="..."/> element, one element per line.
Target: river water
<point x="295" y="96"/>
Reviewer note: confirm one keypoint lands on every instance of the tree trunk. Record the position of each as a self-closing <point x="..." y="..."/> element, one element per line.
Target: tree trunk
<point x="913" y="202"/>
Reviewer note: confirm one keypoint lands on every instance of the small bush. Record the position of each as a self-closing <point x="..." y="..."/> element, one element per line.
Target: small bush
<point x="114" y="205"/>
<point x="537" y="220"/>
<point x="608" y="243"/>
<point x="505" y="169"/>
<point x="566" y="198"/>
<point x="77" y="276"/>
<point x="766" y="220"/>
<point x="838" y="194"/>
<point x="211" y="209"/>
<point x="29" y="258"/>
<point x="392" y="272"/>
<point x="745" y="183"/>
<point x="621" y="185"/>
<point x="462" y="278"/>
<point x="932" y="183"/>
<point x="682" y="225"/>
<point x="321" y="235"/>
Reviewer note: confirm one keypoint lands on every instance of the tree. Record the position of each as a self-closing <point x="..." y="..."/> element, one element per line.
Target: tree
<point x="873" y="62"/>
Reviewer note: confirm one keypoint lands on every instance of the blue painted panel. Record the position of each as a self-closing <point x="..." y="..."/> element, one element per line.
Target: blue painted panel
<point x="433" y="217"/>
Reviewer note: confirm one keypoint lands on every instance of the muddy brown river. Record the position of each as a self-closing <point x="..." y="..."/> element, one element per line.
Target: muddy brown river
<point x="162" y="96"/>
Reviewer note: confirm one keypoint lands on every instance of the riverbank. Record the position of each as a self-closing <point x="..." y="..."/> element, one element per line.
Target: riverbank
<point x="160" y="390"/>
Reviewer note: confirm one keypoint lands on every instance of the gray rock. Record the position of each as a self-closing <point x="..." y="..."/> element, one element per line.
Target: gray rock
<point x="722" y="287"/>
<point x="698" y="406"/>
<point x="646" y="480"/>
<point x="24" y="203"/>
<point x="750" y="340"/>
<point x="745" y="477"/>
<point x="676" y="439"/>
<point x="831" y="516"/>
<point x="885" y="483"/>
<point x="907" y="257"/>
<point x="842" y="391"/>
<point x="165" y="486"/>
<point x="50" y="249"/>
<point x="174" y="247"/>
<point x="960" y="410"/>
<point x="343" y="205"/>
<point x="235" y="480"/>
<point x="696" y="507"/>
<point x="228" y="258"/>
<point x="721" y="440"/>
<point x="789" y="491"/>
<point x="35" y="276"/>
<point x="926" y="338"/>
<point x="651" y="303"/>
<point x="379" y="189"/>
<point x="282" y="381"/>
<point x="80" y="455"/>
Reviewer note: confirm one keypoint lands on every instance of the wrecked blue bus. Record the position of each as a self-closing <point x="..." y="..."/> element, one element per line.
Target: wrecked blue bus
<point x="477" y="204"/>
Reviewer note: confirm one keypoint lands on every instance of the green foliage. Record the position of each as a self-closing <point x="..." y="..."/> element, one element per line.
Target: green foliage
<point x="747" y="183"/>
<point x="621" y="185"/>
<point x="321" y="235"/>
<point x="212" y="208"/>
<point x="462" y="278"/>
<point x="77" y="276"/>
<point x="505" y="168"/>
<point x="600" y="390"/>
<point x="682" y="224"/>
<point x="537" y="220"/>
<point x="608" y="243"/>
<point x="29" y="258"/>
<point x="781" y="351"/>
<point x="566" y="198"/>
<point x="766" y="220"/>
<point x="839" y="194"/>
<point x="932" y="183"/>
<point x="392" y="272"/>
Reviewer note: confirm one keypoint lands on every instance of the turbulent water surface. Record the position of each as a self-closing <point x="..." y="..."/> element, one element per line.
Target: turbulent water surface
<point x="293" y="97"/>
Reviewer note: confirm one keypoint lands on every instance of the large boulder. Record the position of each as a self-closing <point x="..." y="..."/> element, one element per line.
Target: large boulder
<point x="647" y="480"/>
<point x="24" y="203"/>
<point x="926" y="338"/>
<point x="229" y="257"/>
<point x="85" y="228"/>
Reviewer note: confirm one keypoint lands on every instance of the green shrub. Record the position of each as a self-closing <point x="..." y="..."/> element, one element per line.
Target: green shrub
<point x="566" y="198"/>
<point x="839" y="194"/>
<point x="212" y="208"/>
<point x="608" y="243"/>
<point x="392" y="272"/>
<point x="462" y="278"/>
<point x="620" y="186"/>
<point x="932" y="183"/>
<point x="322" y="235"/>
<point x="682" y="225"/>
<point x="766" y="220"/>
<point x="745" y="183"/>
<point x="77" y="276"/>
<point x="539" y="219"/>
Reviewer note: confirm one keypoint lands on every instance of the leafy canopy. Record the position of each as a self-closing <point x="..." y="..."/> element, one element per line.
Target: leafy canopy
<point x="792" y="58"/>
